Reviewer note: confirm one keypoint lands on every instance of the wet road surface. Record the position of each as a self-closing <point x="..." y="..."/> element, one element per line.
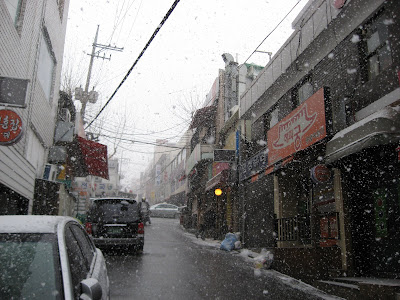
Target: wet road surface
<point x="174" y="265"/>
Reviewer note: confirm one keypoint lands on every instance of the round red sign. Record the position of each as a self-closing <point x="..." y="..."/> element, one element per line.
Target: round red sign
<point x="10" y="127"/>
<point x="320" y="173"/>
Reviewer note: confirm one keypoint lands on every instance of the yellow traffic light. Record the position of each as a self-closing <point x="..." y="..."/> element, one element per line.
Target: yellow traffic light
<point x="218" y="192"/>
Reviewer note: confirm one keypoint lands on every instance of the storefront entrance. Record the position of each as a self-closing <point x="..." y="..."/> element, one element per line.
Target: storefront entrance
<point x="373" y="192"/>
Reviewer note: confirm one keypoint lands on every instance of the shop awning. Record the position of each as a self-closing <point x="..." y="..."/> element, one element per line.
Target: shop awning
<point x="203" y="117"/>
<point x="88" y="158"/>
<point x="380" y="128"/>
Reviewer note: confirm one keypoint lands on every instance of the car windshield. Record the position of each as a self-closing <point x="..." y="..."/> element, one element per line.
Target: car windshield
<point x="28" y="268"/>
<point x="108" y="210"/>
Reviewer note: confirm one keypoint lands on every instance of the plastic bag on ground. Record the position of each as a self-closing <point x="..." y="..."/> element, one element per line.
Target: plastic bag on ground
<point x="228" y="244"/>
<point x="264" y="260"/>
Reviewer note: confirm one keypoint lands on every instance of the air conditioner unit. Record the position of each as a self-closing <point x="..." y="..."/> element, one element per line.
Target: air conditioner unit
<point x="50" y="172"/>
<point x="65" y="115"/>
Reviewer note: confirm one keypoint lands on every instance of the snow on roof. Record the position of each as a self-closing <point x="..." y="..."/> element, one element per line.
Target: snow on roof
<point x="31" y="224"/>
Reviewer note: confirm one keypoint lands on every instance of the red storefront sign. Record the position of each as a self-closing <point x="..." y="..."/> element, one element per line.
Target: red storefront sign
<point x="300" y="129"/>
<point x="10" y="127"/>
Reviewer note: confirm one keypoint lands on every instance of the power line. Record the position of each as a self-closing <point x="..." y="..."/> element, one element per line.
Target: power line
<point x="273" y="30"/>
<point x="142" y="152"/>
<point x="143" y="142"/>
<point x="137" y="60"/>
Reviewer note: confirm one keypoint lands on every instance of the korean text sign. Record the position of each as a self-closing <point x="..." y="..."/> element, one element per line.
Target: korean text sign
<point x="300" y="129"/>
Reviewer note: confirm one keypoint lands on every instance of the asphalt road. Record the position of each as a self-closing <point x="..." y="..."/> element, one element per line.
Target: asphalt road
<point x="174" y="265"/>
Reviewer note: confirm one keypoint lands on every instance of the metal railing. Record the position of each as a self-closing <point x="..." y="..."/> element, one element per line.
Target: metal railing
<point x="299" y="228"/>
<point x="294" y="228"/>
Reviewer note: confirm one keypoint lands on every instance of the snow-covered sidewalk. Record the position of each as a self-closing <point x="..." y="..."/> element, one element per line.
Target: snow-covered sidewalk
<point x="253" y="259"/>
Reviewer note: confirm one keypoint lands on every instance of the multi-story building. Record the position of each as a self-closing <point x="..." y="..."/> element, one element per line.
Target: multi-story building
<point x="176" y="171"/>
<point x="319" y="156"/>
<point x="32" y="43"/>
<point x="154" y="183"/>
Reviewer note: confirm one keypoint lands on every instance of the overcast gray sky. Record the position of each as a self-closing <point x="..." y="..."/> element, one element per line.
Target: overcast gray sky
<point x="181" y="63"/>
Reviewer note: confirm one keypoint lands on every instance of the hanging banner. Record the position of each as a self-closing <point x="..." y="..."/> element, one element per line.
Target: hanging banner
<point x="10" y="127"/>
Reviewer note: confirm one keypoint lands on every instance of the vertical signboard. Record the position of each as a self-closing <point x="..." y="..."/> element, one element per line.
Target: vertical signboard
<point x="158" y="174"/>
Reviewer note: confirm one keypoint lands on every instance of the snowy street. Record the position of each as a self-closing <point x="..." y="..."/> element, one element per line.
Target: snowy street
<point x="176" y="265"/>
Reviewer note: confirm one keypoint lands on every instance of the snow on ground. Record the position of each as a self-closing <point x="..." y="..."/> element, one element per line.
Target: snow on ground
<point x="251" y="256"/>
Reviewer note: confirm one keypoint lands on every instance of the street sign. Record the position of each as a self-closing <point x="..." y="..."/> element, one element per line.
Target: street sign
<point x="10" y="127"/>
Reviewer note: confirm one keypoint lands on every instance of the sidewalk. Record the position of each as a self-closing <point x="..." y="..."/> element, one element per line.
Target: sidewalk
<point x="251" y="256"/>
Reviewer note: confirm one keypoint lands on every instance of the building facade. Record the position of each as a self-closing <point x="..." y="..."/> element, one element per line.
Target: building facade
<point x="320" y="145"/>
<point x="32" y="36"/>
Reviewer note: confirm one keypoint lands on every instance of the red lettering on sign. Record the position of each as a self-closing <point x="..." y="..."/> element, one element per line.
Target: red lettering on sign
<point x="10" y="127"/>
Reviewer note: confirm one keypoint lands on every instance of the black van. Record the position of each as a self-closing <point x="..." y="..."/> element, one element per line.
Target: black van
<point x="116" y="223"/>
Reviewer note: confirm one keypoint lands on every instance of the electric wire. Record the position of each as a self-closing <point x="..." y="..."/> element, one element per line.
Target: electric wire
<point x="284" y="18"/>
<point x="137" y="60"/>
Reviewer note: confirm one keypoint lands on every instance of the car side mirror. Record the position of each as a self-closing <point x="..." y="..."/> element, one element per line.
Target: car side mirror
<point x="91" y="289"/>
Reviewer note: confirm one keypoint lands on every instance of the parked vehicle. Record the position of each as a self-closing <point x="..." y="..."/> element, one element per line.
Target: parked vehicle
<point x="49" y="257"/>
<point x="164" y="210"/>
<point x="116" y="223"/>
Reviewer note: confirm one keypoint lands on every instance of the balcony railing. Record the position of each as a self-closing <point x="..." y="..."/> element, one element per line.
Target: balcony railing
<point x="200" y="152"/>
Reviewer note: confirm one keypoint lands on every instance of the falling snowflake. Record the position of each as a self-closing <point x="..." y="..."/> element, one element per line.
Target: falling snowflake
<point x="351" y="71"/>
<point x="355" y="38"/>
<point x="388" y="21"/>
<point x="261" y="142"/>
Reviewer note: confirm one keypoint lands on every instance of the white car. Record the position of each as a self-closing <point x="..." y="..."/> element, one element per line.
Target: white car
<point x="49" y="257"/>
<point x="164" y="210"/>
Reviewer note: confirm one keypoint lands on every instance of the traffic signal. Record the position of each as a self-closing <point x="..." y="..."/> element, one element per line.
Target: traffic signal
<point x="218" y="192"/>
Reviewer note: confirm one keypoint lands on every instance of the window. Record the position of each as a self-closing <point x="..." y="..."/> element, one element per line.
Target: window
<point x="79" y="270"/>
<point x="14" y="8"/>
<point x="35" y="152"/>
<point x="46" y="66"/>
<point x="376" y="48"/>
<point x="29" y="266"/>
<point x="274" y="118"/>
<point x="305" y="91"/>
<point x="84" y="243"/>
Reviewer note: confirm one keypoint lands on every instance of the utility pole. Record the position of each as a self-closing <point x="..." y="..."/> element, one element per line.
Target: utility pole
<point x="84" y="95"/>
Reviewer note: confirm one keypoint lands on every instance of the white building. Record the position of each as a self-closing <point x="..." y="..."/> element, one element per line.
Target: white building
<point x="31" y="52"/>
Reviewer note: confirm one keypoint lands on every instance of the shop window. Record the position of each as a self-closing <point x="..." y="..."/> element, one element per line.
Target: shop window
<point x="375" y="49"/>
<point x="46" y="66"/>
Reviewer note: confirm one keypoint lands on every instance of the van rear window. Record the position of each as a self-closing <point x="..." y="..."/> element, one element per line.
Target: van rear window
<point x="114" y="210"/>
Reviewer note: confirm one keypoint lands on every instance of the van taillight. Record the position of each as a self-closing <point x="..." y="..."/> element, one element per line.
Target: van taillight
<point x="140" y="228"/>
<point x="88" y="227"/>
